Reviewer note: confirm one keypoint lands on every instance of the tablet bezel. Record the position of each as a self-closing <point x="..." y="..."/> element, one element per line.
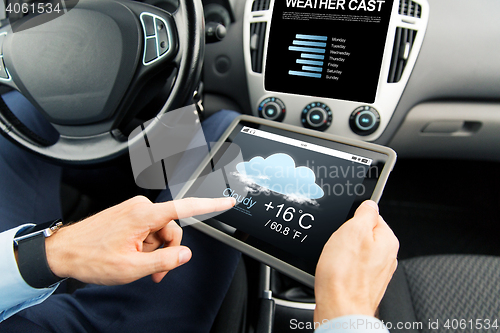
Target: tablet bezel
<point x="281" y="265"/>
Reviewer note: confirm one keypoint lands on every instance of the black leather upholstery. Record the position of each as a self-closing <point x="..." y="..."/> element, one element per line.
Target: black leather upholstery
<point x="442" y="288"/>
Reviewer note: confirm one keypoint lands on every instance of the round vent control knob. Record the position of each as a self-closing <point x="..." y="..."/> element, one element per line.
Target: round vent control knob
<point x="272" y="108"/>
<point x="317" y="116"/>
<point x="364" y="120"/>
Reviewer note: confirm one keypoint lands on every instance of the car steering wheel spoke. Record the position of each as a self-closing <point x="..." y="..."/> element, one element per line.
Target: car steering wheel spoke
<point x="86" y="70"/>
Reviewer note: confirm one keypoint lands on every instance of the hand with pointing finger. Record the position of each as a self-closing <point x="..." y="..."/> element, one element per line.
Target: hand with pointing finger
<point x="127" y="242"/>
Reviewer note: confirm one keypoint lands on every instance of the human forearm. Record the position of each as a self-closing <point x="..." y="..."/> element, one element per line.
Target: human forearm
<point x="126" y="242"/>
<point x="119" y="245"/>
<point x="15" y="294"/>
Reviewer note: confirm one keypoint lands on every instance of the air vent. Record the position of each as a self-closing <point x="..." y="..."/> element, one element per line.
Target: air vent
<point x="260" y="5"/>
<point x="257" y="38"/>
<point x="408" y="8"/>
<point x="403" y="43"/>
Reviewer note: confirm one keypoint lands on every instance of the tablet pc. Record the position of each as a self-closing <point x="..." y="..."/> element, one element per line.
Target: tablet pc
<point x="294" y="187"/>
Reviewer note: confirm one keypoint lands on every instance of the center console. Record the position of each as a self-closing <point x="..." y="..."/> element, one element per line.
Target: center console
<point x="317" y="74"/>
<point x="335" y="66"/>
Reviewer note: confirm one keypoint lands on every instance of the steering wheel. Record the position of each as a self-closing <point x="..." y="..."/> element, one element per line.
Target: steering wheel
<point x="86" y="69"/>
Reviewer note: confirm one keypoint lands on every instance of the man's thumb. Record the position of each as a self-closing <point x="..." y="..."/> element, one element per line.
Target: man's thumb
<point x="367" y="214"/>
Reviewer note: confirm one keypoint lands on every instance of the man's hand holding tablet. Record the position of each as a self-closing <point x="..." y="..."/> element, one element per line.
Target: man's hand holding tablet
<point x="356" y="265"/>
<point x="293" y="188"/>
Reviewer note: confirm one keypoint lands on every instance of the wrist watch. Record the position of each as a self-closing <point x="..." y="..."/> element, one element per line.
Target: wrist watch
<point x="31" y="256"/>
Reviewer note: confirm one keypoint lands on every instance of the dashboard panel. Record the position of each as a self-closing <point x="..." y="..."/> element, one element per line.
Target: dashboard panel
<point x="455" y="69"/>
<point x="446" y="104"/>
<point x="360" y="120"/>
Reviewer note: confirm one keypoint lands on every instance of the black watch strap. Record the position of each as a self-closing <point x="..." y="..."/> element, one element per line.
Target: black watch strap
<point x="32" y="262"/>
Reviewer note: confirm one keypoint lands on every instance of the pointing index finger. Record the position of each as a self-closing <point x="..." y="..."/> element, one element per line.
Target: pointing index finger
<point x="184" y="208"/>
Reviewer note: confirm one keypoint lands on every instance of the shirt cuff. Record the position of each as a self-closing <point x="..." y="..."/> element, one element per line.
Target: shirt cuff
<point x="15" y="293"/>
<point x="353" y="324"/>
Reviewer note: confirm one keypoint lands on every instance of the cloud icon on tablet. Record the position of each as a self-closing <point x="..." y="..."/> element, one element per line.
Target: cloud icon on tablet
<point x="279" y="174"/>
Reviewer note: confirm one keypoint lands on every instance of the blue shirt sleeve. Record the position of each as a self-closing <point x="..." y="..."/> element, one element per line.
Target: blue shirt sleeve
<point x="15" y="293"/>
<point x="353" y="324"/>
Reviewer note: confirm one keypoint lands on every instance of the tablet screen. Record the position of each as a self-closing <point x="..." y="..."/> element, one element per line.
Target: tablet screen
<point x="327" y="48"/>
<point x="298" y="190"/>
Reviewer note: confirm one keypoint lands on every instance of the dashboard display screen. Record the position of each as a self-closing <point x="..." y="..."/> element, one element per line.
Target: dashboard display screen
<point x="298" y="190"/>
<point x="327" y="48"/>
